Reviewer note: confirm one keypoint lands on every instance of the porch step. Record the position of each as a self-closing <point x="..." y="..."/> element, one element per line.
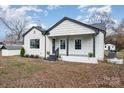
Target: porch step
<point x="52" y="58"/>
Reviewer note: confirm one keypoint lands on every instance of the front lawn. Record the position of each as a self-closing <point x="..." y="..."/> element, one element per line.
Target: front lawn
<point x="27" y="72"/>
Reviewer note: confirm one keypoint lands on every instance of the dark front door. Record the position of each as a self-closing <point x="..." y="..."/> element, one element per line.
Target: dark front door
<point x="53" y="46"/>
<point x="109" y="48"/>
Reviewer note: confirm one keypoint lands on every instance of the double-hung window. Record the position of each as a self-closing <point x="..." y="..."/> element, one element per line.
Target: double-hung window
<point x="62" y="44"/>
<point x="34" y="43"/>
<point x="77" y="44"/>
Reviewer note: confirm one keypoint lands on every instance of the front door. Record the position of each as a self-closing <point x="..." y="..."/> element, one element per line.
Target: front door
<point x="109" y="48"/>
<point x="53" y="46"/>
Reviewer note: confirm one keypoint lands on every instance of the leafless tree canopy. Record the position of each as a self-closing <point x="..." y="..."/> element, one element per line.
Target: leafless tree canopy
<point x="104" y="17"/>
<point x="16" y="27"/>
<point x="120" y="28"/>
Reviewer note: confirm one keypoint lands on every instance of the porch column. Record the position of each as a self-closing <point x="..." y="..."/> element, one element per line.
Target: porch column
<point x="67" y="49"/>
<point x="94" y="45"/>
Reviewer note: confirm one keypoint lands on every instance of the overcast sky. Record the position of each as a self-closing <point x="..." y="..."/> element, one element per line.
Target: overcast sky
<point x="49" y="15"/>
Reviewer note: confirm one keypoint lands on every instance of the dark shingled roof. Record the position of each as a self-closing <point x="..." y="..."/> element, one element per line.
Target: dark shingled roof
<point x="2" y="47"/>
<point x="36" y="27"/>
<point x="13" y="47"/>
<point x="99" y="25"/>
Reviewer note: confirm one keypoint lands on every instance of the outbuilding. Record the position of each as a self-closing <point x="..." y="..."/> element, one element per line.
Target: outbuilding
<point x="110" y="47"/>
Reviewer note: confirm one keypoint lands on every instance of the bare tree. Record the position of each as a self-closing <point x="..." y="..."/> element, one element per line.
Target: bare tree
<point x="120" y="28"/>
<point x="102" y="17"/>
<point x="16" y="27"/>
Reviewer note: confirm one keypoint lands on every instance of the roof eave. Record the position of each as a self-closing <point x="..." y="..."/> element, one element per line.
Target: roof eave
<point x="31" y="29"/>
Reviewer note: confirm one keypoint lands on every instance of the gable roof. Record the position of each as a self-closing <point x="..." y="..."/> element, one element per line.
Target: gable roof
<point x="96" y="29"/>
<point x="2" y="47"/>
<point x="13" y="47"/>
<point x="36" y="27"/>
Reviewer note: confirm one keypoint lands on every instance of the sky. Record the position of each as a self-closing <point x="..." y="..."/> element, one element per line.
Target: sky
<point x="48" y="15"/>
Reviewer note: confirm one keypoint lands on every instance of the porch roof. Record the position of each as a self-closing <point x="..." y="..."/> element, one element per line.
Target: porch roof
<point x="71" y="34"/>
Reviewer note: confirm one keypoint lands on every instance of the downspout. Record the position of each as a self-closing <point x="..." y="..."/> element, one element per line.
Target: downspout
<point x="94" y="43"/>
<point x="45" y="46"/>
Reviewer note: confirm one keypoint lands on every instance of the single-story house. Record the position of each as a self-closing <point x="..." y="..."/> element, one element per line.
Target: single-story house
<point x="110" y="47"/>
<point x="73" y="40"/>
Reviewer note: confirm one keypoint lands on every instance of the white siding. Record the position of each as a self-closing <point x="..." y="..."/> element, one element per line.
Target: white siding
<point x="48" y="45"/>
<point x="70" y="28"/>
<point x="10" y="52"/>
<point x="100" y="46"/>
<point x="34" y="34"/>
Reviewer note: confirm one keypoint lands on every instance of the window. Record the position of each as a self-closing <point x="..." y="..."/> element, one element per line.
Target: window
<point x="78" y="44"/>
<point x="62" y="44"/>
<point x="34" y="43"/>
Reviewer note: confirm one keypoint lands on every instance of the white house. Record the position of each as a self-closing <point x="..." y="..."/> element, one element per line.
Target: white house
<point x="74" y="40"/>
<point x="110" y="47"/>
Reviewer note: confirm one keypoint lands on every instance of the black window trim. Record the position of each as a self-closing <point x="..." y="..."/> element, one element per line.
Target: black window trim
<point x="79" y="47"/>
<point x="35" y="46"/>
<point x="64" y="44"/>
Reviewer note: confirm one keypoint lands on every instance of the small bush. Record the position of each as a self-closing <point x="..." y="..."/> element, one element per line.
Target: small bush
<point x="36" y="56"/>
<point x="44" y="58"/>
<point x="31" y="56"/>
<point x="90" y="54"/>
<point x="48" y="52"/>
<point x="22" y="52"/>
<point x="59" y="56"/>
<point x="26" y="55"/>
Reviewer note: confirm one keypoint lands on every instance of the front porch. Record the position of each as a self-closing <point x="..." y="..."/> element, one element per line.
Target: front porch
<point x="77" y="45"/>
<point x="75" y="48"/>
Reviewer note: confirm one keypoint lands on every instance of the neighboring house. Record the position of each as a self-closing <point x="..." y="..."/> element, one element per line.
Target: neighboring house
<point x="110" y="47"/>
<point x="10" y="50"/>
<point x="72" y="38"/>
<point x="1" y="47"/>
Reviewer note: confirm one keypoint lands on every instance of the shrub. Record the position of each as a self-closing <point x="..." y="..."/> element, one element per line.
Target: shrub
<point x="22" y="52"/>
<point x="90" y="54"/>
<point x="44" y="58"/>
<point x="31" y="56"/>
<point x="26" y="55"/>
<point x="36" y="56"/>
<point x="59" y="56"/>
<point x="48" y="52"/>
